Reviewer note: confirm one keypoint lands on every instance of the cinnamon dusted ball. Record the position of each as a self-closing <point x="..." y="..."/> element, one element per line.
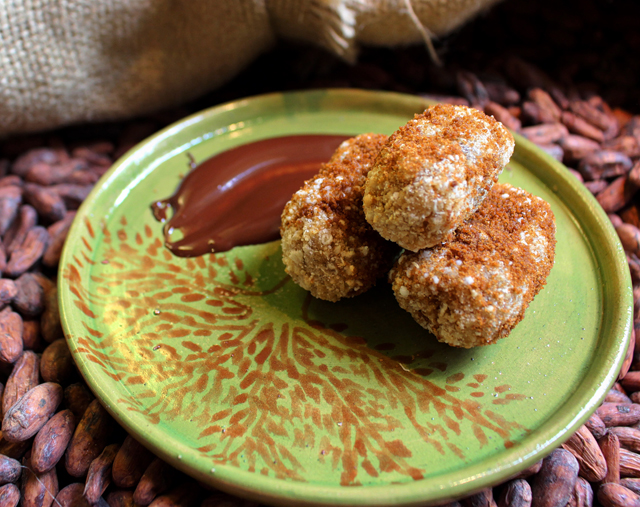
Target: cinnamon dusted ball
<point x="474" y="289"/>
<point x="328" y="248"/>
<point x="433" y="173"/>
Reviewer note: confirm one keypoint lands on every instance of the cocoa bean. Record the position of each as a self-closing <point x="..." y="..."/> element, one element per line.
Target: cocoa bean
<point x="51" y="441"/>
<point x="24" y="377"/>
<point x="628" y="437"/>
<point x="24" y="162"/>
<point x="52" y="174"/>
<point x="11" y="180"/>
<point x="72" y="496"/>
<point x="596" y="186"/>
<point x="617" y="195"/>
<point x="592" y="115"/>
<point x="130" y="463"/>
<point x="84" y="177"/>
<point x="186" y="494"/>
<point x="10" y="336"/>
<point x="95" y="153"/>
<point x="534" y="113"/>
<point x="611" y="451"/>
<point x="576" y="175"/>
<point x="583" y="445"/>
<point x="545" y="133"/>
<point x="630" y="238"/>
<point x="31" y="338"/>
<point x="8" y="291"/>
<point x="617" y="386"/>
<point x="515" y="493"/>
<point x="628" y="358"/>
<point x="47" y="202"/>
<point x="50" y="325"/>
<point x="472" y="89"/>
<point x="604" y="164"/>
<point x="634" y="175"/>
<point x="29" y="299"/>
<point x="121" y="498"/>
<point x="529" y="471"/>
<point x="615" y="219"/>
<point x="628" y="145"/>
<point x="558" y="153"/>
<point x="582" y="494"/>
<point x="9" y="495"/>
<point x="502" y="93"/>
<point x="629" y="463"/>
<point x="10" y="201"/>
<point x="38" y="490"/>
<point x="483" y="498"/>
<point x="577" y="147"/>
<point x="631" y="126"/>
<point x="546" y="102"/>
<point x="615" y="396"/>
<point x="632" y="484"/>
<point x="46" y="283"/>
<point x="157" y="478"/>
<point x="3" y="257"/>
<point x="596" y="426"/>
<point x="503" y="115"/>
<point x="581" y="127"/>
<point x="57" y="235"/>
<point x="28" y="253"/>
<point x="10" y="470"/>
<point x="631" y="381"/>
<point x="616" y="495"/>
<point x="15" y="450"/>
<point x="77" y="398"/>
<point x="30" y="413"/>
<point x="57" y="364"/>
<point x="72" y="194"/>
<point x="26" y="220"/>
<point x="89" y="439"/>
<point x="554" y="484"/>
<point x="99" y="474"/>
<point x="559" y="96"/>
<point x="619" y="414"/>
<point x="516" y="111"/>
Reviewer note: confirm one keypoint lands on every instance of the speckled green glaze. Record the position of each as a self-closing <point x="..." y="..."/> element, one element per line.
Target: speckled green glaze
<point x="230" y="372"/>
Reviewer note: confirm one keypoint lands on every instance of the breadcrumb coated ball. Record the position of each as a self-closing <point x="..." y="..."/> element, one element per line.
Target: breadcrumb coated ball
<point x="474" y="289"/>
<point x="433" y="173"/>
<point x="328" y="248"/>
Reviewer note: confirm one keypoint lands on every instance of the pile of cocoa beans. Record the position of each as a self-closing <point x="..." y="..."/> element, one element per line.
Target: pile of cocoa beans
<point x="60" y="447"/>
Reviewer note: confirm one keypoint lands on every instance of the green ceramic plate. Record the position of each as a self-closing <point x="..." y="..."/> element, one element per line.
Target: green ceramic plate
<point x="230" y="372"/>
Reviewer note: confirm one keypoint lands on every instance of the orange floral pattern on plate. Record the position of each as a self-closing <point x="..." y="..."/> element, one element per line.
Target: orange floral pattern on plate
<point x="186" y="338"/>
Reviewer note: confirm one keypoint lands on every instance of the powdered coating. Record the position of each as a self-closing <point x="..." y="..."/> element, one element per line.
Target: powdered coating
<point x="433" y="173"/>
<point x="328" y="248"/>
<point x="474" y="290"/>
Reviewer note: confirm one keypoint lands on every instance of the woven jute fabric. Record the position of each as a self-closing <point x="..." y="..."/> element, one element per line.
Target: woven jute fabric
<point x="72" y="61"/>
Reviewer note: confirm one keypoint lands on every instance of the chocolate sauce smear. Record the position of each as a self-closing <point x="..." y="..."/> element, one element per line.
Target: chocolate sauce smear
<point x="236" y="198"/>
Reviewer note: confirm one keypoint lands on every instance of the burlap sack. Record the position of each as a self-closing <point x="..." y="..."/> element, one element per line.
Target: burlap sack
<point x="73" y="61"/>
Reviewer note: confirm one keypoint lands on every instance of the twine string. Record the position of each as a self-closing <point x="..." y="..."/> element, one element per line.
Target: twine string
<point x="424" y="31"/>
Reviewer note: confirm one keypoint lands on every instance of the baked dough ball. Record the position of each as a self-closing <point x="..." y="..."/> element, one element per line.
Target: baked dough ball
<point x="474" y="289"/>
<point x="328" y="248"/>
<point x="433" y="173"/>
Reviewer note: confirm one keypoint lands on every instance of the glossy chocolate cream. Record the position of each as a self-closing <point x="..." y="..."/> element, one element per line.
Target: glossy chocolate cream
<point x="236" y="198"/>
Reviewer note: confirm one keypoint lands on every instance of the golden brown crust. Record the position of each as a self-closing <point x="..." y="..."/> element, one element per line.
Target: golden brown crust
<point x="328" y="247"/>
<point x="474" y="290"/>
<point x="433" y="173"/>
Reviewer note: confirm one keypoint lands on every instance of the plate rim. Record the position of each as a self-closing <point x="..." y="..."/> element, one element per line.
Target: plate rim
<point x="286" y="492"/>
